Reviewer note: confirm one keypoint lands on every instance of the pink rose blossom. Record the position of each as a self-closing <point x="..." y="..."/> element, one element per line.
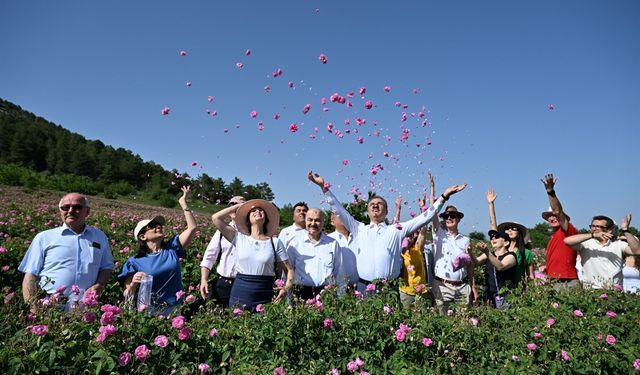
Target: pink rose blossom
<point x="279" y="371"/>
<point x="190" y="299"/>
<point x="237" y="311"/>
<point x="89" y="317"/>
<point x="578" y="313"/>
<point x="611" y="314"/>
<point x="3" y="250"/>
<point x="107" y="318"/>
<point x="352" y="367"/>
<point x="515" y="358"/>
<point x="184" y="334"/>
<point x="279" y="283"/>
<point x="177" y="322"/>
<point x="213" y="332"/>
<point x="370" y="287"/>
<point x="161" y="341"/>
<point x="327" y="323"/>
<point x="636" y="364"/>
<point x="387" y="310"/>
<point x="555" y="305"/>
<point x="474" y="321"/>
<point x="617" y="287"/>
<point x="359" y="362"/>
<point x="565" y="356"/>
<point x="260" y="308"/>
<point x="537" y="335"/>
<point x="142" y="352"/>
<point x="611" y="340"/>
<point x="40" y="330"/>
<point x="550" y="322"/>
<point x="531" y="346"/>
<point x="124" y="358"/>
<point x="203" y="367"/>
<point x="90" y="298"/>
<point x="180" y="294"/>
<point x="335" y="371"/>
<point x="603" y="296"/>
<point x="115" y="310"/>
<point x="427" y="341"/>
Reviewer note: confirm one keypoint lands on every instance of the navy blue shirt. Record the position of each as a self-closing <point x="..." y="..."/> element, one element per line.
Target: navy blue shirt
<point x="164" y="265"/>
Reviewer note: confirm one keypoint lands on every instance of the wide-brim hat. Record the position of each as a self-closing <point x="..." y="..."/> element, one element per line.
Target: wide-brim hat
<point x="269" y="209"/>
<point x="453" y="211"/>
<point x="502" y="227"/>
<point x="236" y="200"/>
<point x="500" y="234"/>
<point x="549" y="212"/>
<point x="143" y="223"/>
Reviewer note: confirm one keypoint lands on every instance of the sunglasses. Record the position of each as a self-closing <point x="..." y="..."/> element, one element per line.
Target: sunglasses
<point x="602" y="227"/>
<point x="75" y="207"/>
<point x="494" y="236"/>
<point x="449" y="216"/>
<point x="152" y="226"/>
<point x="515" y="229"/>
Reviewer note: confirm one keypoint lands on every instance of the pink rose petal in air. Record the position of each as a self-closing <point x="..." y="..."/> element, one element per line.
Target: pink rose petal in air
<point x="306" y="109"/>
<point x="368" y="104"/>
<point x="360" y="140"/>
<point x="345" y="162"/>
<point x="247" y="52"/>
<point x="183" y="53"/>
<point x="239" y="65"/>
<point x="267" y="88"/>
<point x="551" y="107"/>
<point x="362" y="90"/>
<point x="189" y="84"/>
<point x="214" y="113"/>
<point x="253" y="114"/>
<point x="277" y="73"/>
<point x="276" y="116"/>
<point x="323" y="101"/>
<point x="165" y="111"/>
<point x="290" y="84"/>
<point x="194" y="163"/>
<point x="210" y="98"/>
<point x="323" y="58"/>
<point x="387" y="88"/>
<point x="293" y="128"/>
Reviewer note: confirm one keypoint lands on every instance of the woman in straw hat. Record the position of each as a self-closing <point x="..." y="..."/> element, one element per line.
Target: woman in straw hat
<point x="160" y="258"/>
<point x="258" y="254"/>
<point x="519" y="244"/>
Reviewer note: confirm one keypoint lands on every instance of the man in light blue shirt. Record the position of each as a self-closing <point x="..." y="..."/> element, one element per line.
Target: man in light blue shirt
<point x="379" y="245"/>
<point x="315" y="258"/>
<point x="72" y="254"/>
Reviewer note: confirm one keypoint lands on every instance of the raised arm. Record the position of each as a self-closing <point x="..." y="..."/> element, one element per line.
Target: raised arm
<point x="396" y="217"/>
<point x="349" y="222"/>
<point x="633" y="247"/>
<point x="549" y="182"/>
<point x="187" y="234"/>
<point x="500" y="265"/>
<point x="220" y="221"/>
<point x="432" y="200"/>
<point x="491" y="197"/>
<point x="480" y="245"/>
<point x="408" y="227"/>
<point x="422" y="232"/>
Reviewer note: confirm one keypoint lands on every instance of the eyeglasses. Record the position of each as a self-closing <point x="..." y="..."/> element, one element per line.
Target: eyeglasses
<point x="593" y="226"/>
<point x="515" y="229"/>
<point x="495" y="236"/>
<point x="449" y="216"/>
<point x="75" y="207"/>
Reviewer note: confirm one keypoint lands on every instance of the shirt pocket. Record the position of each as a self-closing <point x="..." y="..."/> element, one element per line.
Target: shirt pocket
<point x="91" y="258"/>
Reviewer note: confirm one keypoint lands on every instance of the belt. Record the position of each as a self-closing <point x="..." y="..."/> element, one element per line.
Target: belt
<point x="452" y="282"/>
<point x="363" y="281"/>
<point x="229" y="279"/>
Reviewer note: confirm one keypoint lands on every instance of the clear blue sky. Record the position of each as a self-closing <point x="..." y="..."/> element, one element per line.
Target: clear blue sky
<point x="485" y="72"/>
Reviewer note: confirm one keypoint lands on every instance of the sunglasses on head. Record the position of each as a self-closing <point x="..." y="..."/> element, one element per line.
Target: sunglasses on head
<point x="75" y="207"/>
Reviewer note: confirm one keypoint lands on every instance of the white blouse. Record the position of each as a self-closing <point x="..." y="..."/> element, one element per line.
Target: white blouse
<point x="256" y="257"/>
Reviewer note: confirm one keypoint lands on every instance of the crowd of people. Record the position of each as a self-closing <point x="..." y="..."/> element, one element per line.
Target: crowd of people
<point x="256" y="265"/>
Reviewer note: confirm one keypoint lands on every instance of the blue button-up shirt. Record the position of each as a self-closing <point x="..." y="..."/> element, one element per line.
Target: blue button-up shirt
<point x="378" y="246"/>
<point x="60" y="257"/>
<point x="315" y="264"/>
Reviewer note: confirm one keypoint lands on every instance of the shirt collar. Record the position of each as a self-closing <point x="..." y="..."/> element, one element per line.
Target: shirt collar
<point x="67" y="230"/>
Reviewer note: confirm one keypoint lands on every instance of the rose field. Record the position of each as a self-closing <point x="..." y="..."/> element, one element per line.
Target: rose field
<point x="543" y="331"/>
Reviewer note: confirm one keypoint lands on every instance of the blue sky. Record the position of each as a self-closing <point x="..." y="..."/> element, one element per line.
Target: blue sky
<point x="484" y="75"/>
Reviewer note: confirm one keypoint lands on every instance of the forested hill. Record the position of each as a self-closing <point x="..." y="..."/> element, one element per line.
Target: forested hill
<point x="35" y="152"/>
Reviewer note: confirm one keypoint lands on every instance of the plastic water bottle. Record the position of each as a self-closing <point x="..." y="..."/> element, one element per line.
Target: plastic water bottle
<point x="74" y="301"/>
<point x="144" y="292"/>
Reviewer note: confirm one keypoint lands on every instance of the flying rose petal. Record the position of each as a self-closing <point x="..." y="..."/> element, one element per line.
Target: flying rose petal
<point x="290" y="84"/>
<point x="323" y="101"/>
<point x="360" y="140"/>
<point x="276" y="116"/>
<point x="226" y="130"/>
<point x="214" y="113"/>
<point x="387" y="88"/>
<point x="306" y="109"/>
<point x="189" y="84"/>
<point x="253" y="114"/>
<point x="323" y="58"/>
<point x="312" y="136"/>
<point x="183" y="53"/>
<point x="194" y="163"/>
<point x="210" y="98"/>
<point x="293" y="128"/>
<point x="345" y="162"/>
<point x="247" y="52"/>
<point x="362" y="90"/>
<point x="260" y="126"/>
<point x="329" y="127"/>
<point x="368" y="104"/>
<point x="551" y="107"/>
<point x="397" y="104"/>
<point x="165" y="111"/>
<point x="277" y="73"/>
<point x="267" y="88"/>
<point x="239" y="65"/>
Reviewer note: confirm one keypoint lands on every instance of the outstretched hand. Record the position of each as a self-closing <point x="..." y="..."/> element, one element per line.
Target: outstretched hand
<point x="626" y="221"/>
<point x="549" y="181"/>
<point x="482" y="246"/>
<point x="183" y="198"/>
<point x="318" y="180"/>
<point x="399" y="202"/>
<point x="454" y="189"/>
<point x="491" y="195"/>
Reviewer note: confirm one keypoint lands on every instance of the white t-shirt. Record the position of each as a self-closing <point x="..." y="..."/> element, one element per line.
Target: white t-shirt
<point x="256" y="257"/>
<point x="602" y="265"/>
<point x="289" y="233"/>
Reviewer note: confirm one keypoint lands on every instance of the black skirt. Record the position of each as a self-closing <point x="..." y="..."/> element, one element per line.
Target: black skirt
<point x="249" y="291"/>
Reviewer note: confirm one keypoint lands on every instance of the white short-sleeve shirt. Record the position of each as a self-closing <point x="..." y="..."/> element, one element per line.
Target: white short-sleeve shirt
<point x="256" y="257"/>
<point x="602" y="265"/>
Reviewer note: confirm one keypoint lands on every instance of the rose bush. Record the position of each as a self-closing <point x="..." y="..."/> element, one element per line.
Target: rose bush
<point x="540" y="333"/>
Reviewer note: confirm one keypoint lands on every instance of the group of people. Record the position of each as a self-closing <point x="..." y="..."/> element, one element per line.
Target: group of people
<point x="256" y="265"/>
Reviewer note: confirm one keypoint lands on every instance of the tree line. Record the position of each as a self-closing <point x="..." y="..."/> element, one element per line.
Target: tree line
<point x="39" y="154"/>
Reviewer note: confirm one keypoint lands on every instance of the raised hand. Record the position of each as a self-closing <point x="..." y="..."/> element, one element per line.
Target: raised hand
<point x="317" y="179"/>
<point x="183" y="198"/>
<point x="482" y="246"/>
<point x="422" y="201"/>
<point x="491" y="195"/>
<point x="454" y="189"/>
<point x="549" y="181"/>
<point x="432" y="182"/>
<point x="399" y="202"/>
<point x="626" y="221"/>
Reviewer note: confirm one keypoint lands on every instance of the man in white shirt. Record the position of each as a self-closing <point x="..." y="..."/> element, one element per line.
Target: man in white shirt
<point x="315" y="258"/>
<point x="221" y="252"/>
<point x="601" y="254"/>
<point x="298" y="227"/>
<point x="347" y="245"/>
<point x="379" y="245"/>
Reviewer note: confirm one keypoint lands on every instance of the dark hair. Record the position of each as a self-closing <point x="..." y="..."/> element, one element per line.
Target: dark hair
<point x="605" y="218"/>
<point x="301" y="204"/>
<point x="386" y="205"/>
<point x="143" y="249"/>
<point x="265" y="225"/>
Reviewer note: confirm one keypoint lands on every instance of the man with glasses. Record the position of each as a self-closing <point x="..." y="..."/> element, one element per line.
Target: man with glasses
<point x="72" y="258"/>
<point x="601" y="253"/>
<point x="378" y="245"/>
<point x="561" y="259"/>
<point x="454" y="281"/>
<point x="220" y="252"/>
